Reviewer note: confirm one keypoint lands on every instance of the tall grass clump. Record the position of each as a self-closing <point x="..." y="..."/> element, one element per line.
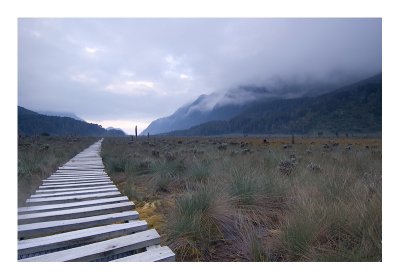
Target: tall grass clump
<point x="199" y="171"/>
<point x="302" y="228"/>
<point x="250" y="243"/>
<point x="29" y="164"/>
<point x="244" y="187"/>
<point x="336" y="216"/>
<point x="164" y="173"/>
<point x="199" y="218"/>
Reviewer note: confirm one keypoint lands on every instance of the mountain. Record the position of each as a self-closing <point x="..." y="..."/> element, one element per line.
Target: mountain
<point x="32" y="123"/>
<point x="220" y="106"/>
<point x="115" y="131"/>
<point x="356" y="108"/>
<point x="61" y="114"/>
<point x="194" y="114"/>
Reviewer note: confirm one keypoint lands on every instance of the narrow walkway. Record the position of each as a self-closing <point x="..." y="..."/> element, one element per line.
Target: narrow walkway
<point x="78" y="214"/>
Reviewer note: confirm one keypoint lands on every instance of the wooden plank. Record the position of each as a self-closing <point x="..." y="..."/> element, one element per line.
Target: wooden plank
<point x="160" y="254"/>
<point x="42" y="191"/>
<point x="72" y="198"/>
<point x="68" y="193"/>
<point x="76" y="175"/>
<point x="66" y="175"/>
<point x="75" y="181"/>
<point x="75" y="178"/>
<point x="81" y="168"/>
<point x="82" y="161"/>
<point x="47" y="228"/>
<point x="102" y="249"/>
<point x="97" y="177"/>
<point x="80" y="172"/>
<point x="41" y="208"/>
<point x="79" y="237"/>
<point x="76" y="185"/>
<point x="75" y="213"/>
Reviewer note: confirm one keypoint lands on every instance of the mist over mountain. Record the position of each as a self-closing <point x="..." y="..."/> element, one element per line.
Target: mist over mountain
<point x="354" y="108"/>
<point x="226" y="104"/>
<point x="61" y="114"/>
<point x="32" y="123"/>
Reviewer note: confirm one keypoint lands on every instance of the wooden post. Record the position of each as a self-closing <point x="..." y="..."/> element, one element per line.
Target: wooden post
<point x="136" y="131"/>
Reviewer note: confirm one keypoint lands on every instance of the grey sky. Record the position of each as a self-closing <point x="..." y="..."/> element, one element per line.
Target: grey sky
<point x="122" y="72"/>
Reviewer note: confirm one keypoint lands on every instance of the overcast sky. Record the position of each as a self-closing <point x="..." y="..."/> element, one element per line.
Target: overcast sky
<point x="123" y="72"/>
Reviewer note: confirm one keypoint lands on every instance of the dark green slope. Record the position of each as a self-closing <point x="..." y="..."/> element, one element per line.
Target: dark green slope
<point x="32" y="123"/>
<point x="356" y="108"/>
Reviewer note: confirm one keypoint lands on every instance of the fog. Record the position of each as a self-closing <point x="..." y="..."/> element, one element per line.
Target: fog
<point x="122" y="72"/>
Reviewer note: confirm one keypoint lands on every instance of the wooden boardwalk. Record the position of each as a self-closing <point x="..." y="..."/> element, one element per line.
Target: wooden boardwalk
<point x="78" y="214"/>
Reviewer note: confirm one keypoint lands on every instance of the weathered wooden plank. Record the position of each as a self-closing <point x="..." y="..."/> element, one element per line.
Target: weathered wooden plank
<point x="79" y="172"/>
<point x="79" y="237"/>
<point x="101" y="249"/>
<point x="54" y="189"/>
<point x="75" y="213"/>
<point x="77" y="185"/>
<point x="72" y="198"/>
<point x="79" y="181"/>
<point x="83" y="162"/>
<point x="81" y="168"/>
<point x="68" y="193"/>
<point x="75" y="179"/>
<point x="46" y="190"/>
<point x="46" y="228"/>
<point x="41" y="208"/>
<point x="65" y="174"/>
<point x="160" y="254"/>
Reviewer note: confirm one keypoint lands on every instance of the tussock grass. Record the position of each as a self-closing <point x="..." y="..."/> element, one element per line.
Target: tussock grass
<point x="200" y="219"/>
<point x="232" y="205"/>
<point x="198" y="171"/>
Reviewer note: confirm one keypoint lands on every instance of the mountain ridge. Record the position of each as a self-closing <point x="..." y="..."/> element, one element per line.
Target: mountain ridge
<point x="33" y="123"/>
<point x="60" y="114"/>
<point x="352" y="108"/>
<point x="226" y="104"/>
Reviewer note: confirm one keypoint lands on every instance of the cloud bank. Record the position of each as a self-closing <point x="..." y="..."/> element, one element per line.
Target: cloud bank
<point x="136" y="70"/>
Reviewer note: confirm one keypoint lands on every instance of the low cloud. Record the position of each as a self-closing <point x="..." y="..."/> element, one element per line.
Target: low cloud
<point x="83" y="78"/>
<point x="146" y="68"/>
<point x="140" y="88"/>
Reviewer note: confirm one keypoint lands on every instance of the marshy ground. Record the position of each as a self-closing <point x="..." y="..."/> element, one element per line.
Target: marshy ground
<point x="239" y="199"/>
<point x="246" y="199"/>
